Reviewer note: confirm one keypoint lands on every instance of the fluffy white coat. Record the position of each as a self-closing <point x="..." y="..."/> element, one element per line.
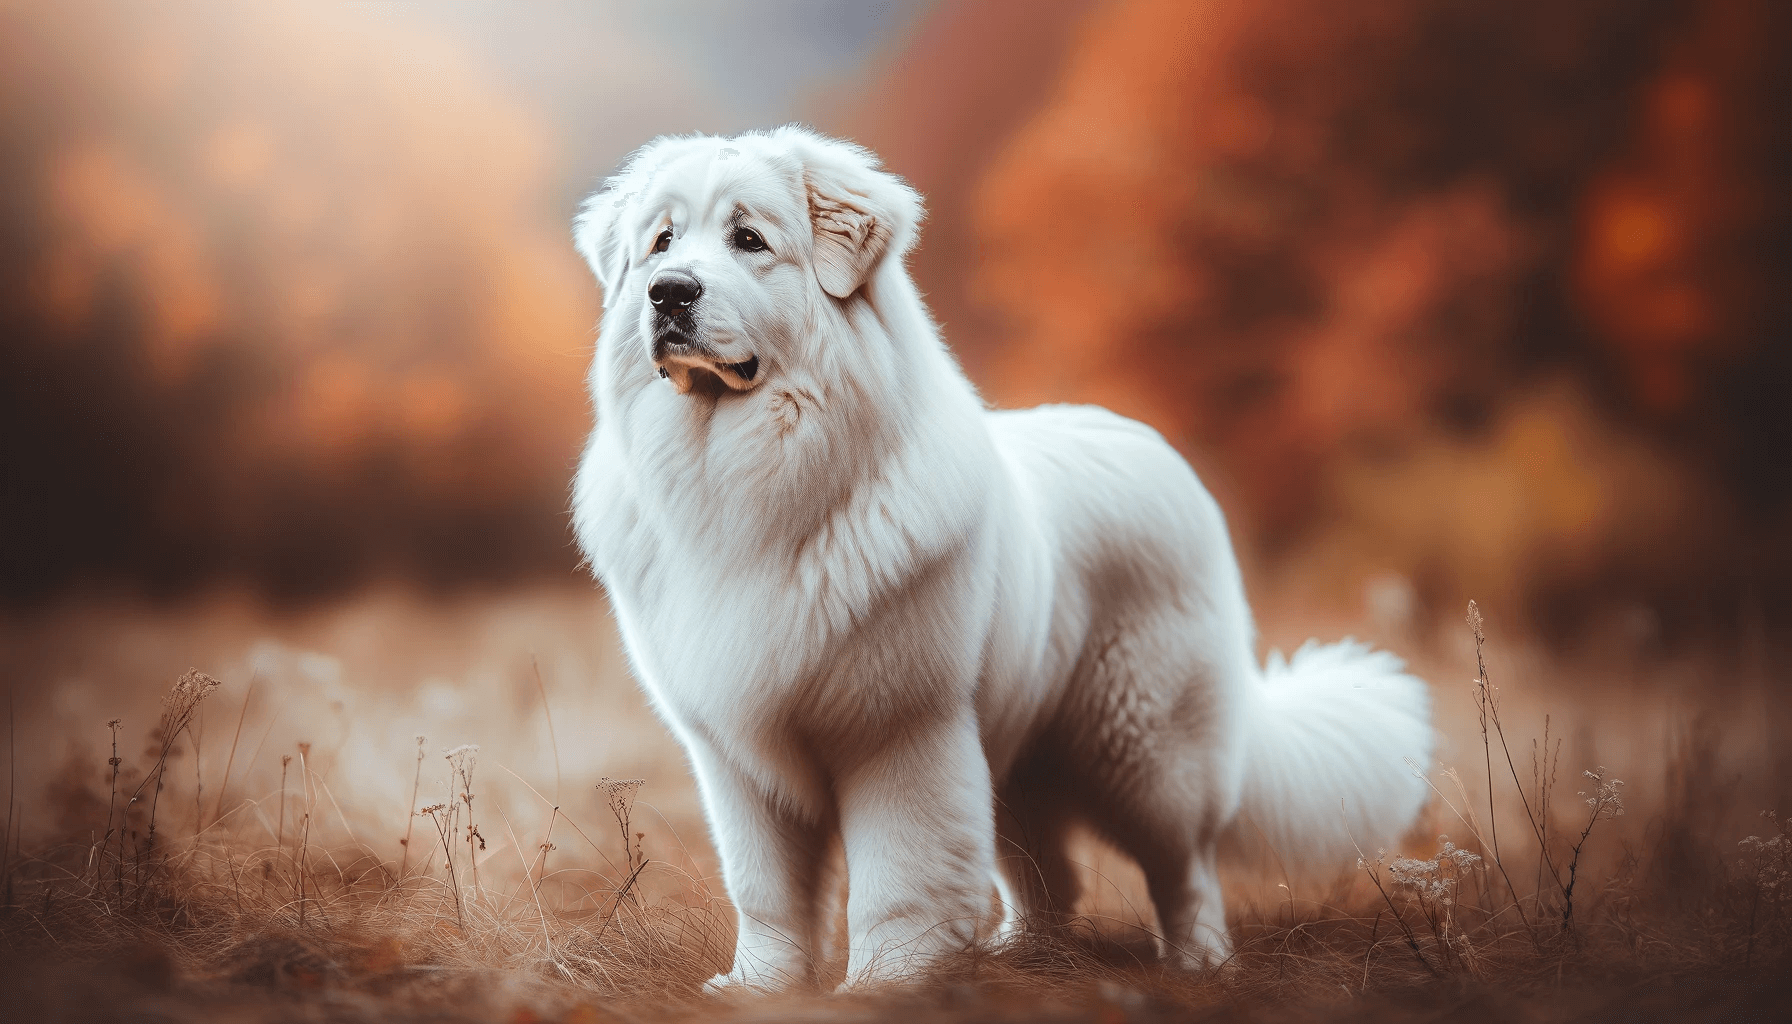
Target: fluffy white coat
<point x="881" y="616"/>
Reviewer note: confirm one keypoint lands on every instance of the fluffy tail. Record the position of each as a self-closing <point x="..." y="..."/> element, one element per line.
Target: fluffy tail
<point x="1328" y="736"/>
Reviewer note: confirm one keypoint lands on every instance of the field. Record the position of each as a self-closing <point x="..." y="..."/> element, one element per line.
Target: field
<point x="408" y="809"/>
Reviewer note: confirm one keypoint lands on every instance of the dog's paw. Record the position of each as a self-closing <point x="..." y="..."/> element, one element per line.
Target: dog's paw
<point x="729" y="985"/>
<point x="1213" y="962"/>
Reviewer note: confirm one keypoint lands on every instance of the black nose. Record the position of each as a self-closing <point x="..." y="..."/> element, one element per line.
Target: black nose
<point x="673" y="292"/>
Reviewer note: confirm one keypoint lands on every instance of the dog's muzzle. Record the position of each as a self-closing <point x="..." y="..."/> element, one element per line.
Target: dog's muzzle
<point x="681" y="358"/>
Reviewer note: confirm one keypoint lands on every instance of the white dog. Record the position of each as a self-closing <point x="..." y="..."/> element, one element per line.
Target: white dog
<point x="872" y="609"/>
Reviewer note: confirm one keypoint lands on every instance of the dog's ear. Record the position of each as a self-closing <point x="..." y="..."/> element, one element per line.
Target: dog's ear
<point x="600" y="231"/>
<point x="597" y="235"/>
<point x="861" y="215"/>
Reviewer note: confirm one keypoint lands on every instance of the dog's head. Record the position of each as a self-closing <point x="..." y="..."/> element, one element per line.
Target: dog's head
<point x="725" y="254"/>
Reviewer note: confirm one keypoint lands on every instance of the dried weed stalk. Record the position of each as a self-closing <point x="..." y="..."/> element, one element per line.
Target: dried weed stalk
<point x="1605" y="802"/>
<point x="404" y="863"/>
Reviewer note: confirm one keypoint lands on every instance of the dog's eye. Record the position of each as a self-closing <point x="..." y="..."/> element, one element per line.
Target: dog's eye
<point x="664" y="242"/>
<point x="748" y="240"/>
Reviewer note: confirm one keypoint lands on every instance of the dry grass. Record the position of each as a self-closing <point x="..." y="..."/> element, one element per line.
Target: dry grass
<point x="506" y="898"/>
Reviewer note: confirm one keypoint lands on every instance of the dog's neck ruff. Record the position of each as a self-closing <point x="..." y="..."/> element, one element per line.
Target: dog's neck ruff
<point x="819" y="474"/>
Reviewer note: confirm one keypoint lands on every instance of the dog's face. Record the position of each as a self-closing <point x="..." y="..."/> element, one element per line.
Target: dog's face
<point x="722" y="255"/>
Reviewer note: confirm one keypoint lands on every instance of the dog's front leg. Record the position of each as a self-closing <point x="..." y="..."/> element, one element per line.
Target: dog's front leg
<point x="917" y="821"/>
<point x="773" y="865"/>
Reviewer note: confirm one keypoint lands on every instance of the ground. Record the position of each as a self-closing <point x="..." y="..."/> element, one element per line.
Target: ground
<point x="316" y="837"/>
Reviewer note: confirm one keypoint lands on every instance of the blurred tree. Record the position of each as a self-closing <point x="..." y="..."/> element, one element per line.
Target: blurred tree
<point x="1314" y="243"/>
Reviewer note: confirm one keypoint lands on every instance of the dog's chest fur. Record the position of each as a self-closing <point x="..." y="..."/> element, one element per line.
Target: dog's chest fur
<point x="791" y="598"/>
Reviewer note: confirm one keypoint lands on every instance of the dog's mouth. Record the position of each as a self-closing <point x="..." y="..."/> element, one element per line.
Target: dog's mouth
<point x="690" y="366"/>
<point x="745" y="370"/>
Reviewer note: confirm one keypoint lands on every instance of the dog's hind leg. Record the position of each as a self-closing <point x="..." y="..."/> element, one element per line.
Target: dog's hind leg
<point x="1191" y="909"/>
<point x="1041" y="886"/>
<point x="1171" y="825"/>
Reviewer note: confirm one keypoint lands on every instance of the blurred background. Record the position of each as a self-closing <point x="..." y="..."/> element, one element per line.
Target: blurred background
<point x="1443" y="299"/>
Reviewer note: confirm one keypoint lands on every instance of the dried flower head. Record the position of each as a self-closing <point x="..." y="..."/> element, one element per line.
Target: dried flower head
<point x="461" y="762"/>
<point x="1605" y="800"/>
<point x="1421" y="880"/>
<point x="1454" y="855"/>
<point x="180" y="701"/>
<point x="1770" y="858"/>
<point x="192" y="687"/>
<point x="620" y="794"/>
<point x="1430" y="883"/>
